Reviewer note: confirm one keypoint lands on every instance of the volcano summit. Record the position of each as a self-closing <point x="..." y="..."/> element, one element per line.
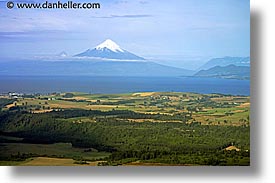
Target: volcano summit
<point x="109" y="50"/>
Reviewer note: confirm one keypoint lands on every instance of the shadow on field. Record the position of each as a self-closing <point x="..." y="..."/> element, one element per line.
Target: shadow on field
<point x="187" y="172"/>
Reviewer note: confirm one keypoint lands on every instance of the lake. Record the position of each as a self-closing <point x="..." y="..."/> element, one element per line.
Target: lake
<point x="90" y="84"/>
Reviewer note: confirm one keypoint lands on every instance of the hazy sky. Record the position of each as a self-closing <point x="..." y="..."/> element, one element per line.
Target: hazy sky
<point x="189" y="28"/>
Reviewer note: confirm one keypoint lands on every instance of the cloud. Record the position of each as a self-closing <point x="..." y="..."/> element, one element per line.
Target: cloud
<point x="31" y="34"/>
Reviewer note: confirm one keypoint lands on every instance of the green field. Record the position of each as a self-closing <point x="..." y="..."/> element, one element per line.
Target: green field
<point x="56" y="150"/>
<point x="149" y="128"/>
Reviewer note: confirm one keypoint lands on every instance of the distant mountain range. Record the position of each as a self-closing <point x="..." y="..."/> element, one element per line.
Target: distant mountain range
<point x="229" y="72"/>
<point x="226" y="67"/>
<point x="109" y="50"/>
<point x="108" y="59"/>
<point x="225" y="61"/>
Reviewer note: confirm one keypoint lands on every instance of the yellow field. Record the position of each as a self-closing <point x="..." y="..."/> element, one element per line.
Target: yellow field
<point x="144" y="94"/>
<point x="230" y="148"/>
<point x="45" y="161"/>
<point x="42" y="111"/>
<point x="245" y="105"/>
<point x="10" y="105"/>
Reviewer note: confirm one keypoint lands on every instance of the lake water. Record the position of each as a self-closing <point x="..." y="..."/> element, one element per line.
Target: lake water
<point x="89" y="84"/>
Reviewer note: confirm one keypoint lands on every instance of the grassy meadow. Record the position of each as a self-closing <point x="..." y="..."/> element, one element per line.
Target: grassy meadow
<point x="146" y="128"/>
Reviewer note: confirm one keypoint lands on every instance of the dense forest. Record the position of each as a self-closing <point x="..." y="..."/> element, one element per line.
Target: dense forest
<point x="113" y="131"/>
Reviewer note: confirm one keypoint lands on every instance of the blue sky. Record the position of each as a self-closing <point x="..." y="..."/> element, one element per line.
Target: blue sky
<point x="187" y="28"/>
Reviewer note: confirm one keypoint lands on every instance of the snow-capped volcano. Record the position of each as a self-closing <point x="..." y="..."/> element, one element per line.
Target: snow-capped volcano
<point x="109" y="50"/>
<point x="111" y="45"/>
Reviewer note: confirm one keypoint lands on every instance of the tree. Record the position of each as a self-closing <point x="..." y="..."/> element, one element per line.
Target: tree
<point x="68" y="95"/>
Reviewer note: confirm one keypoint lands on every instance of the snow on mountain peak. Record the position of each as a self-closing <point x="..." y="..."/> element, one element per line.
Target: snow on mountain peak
<point x="111" y="45"/>
<point x="109" y="50"/>
<point x="63" y="54"/>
